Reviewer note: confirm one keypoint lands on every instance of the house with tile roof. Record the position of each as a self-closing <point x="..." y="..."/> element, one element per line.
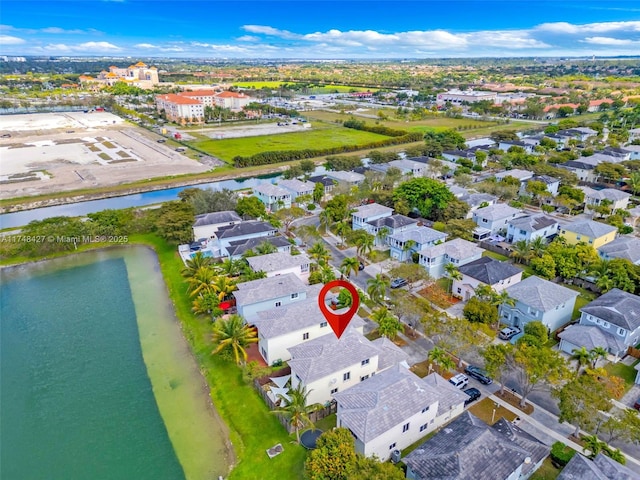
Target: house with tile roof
<point x="518" y="174"/>
<point x="405" y="243"/>
<point x="226" y="234"/>
<point x="600" y="468"/>
<point x="281" y="328"/>
<point x="346" y="178"/>
<point x="268" y="293"/>
<point x="495" y="218"/>
<point x="618" y="199"/>
<point x="278" y="263"/>
<point x="459" y="252"/>
<point x="395" y="409"/>
<point x="468" y="448"/>
<point x="611" y="321"/>
<point x="591" y="232"/>
<point x="477" y="200"/>
<point x="207" y="224"/>
<point x="273" y="196"/>
<point x="539" y="300"/>
<point x="552" y="184"/>
<point x="328" y="365"/>
<point x="625" y="246"/>
<point x="485" y="271"/>
<point x="529" y="227"/>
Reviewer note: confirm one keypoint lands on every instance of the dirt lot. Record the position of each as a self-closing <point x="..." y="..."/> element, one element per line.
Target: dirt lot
<point x="54" y="152"/>
<point x="255" y="130"/>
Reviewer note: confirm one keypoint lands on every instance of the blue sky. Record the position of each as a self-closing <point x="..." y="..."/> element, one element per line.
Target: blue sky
<point x="330" y="29"/>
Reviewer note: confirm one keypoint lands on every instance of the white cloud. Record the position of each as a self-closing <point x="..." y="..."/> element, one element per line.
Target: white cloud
<point x="145" y="45"/>
<point x="86" y="48"/>
<point x="601" y="27"/>
<point x="49" y="30"/>
<point x="266" y="30"/>
<point x="9" y="40"/>
<point x="610" y="41"/>
<point x="248" y="38"/>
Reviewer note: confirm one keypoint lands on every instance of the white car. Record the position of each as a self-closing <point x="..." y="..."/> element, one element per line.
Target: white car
<point x="459" y="381"/>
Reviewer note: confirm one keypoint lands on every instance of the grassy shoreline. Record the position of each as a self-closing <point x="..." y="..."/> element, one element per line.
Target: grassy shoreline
<point x="252" y="429"/>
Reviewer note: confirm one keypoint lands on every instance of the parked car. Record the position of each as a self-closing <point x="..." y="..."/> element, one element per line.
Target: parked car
<point x="508" y="333"/>
<point x="479" y="374"/>
<point x="473" y="393"/>
<point x="161" y="140"/>
<point x="637" y="404"/>
<point x="459" y="381"/>
<point x="360" y="266"/>
<point x="398" y="282"/>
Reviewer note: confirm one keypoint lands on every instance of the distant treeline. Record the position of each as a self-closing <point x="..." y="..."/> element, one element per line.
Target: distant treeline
<point x="266" y="158"/>
<point x="379" y="129"/>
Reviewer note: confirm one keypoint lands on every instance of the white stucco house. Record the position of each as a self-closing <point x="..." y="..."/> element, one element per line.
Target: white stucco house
<point x="364" y="214"/>
<point x="268" y="293"/>
<point x="328" y="365"/>
<point x="538" y="300"/>
<point x="495" y="218"/>
<point x="393" y="225"/>
<point x="273" y="196"/>
<point x="297" y="188"/>
<point x="485" y="271"/>
<point x="457" y="251"/>
<point x="207" y="224"/>
<point x="233" y="240"/>
<point x="594" y="198"/>
<point x="395" y="409"/>
<point x="404" y="244"/>
<point x="274" y="264"/>
<point x="529" y="227"/>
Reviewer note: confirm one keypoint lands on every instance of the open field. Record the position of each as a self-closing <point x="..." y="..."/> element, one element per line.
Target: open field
<point x="317" y="90"/>
<point x="60" y="152"/>
<point x="320" y="136"/>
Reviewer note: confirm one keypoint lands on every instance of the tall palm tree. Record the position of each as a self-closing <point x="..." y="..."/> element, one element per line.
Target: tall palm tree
<point x="342" y="229"/>
<point x="265" y="247"/>
<point x="521" y="252"/>
<point x="232" y="334"/>
<point x="596" y="354"/>
<point x="230" y="267"/>
<point x="406" y="248"/>
<point x="439" y="357"/>
<point x="223" y="286"/>
<point x="453" y="273"/>
<point x="325" y="220"/>
<point x="195" y="263"/>
<point x="296" y="410"/>
<point x="207" y="305"/>
<point x="382" y="234"/>
<point x="634" y="182"/>
<point x="582" y="356"/>
<point x="364" y="243"/>
<point x="200" y="282"/>
<point x="377" y="288"/>
<point x="538" y="245"/>
<point x="348" y="265"/>
<point x="319" y="253"/>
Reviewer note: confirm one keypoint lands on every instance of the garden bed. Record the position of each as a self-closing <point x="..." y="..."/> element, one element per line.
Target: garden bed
<point x="438" y="296"/>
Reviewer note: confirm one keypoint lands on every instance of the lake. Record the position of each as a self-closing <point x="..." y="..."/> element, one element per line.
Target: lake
<point x="97" y="380"/>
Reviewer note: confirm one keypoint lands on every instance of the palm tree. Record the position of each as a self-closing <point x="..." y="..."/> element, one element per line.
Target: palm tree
<point x="348" y="265"/>
<point x="200" y="282"/>
<point x="596" y="354"/>
<point x="453" y="273"/>
<point x="406" y="248"/>
<point x="377" y="288"/>
<point x="319" y="253"/>
<point x="634" y="182"/>
<point x="325" y="220"/>
<point x="328" y="274"/>
<point x="342" y="228"/>
<point x="207" y="305"/>
<point x="442" y="359"/>
<point x="295" y="408"/>
<point x="521" y="251"/>
<point x="233" y="334"/>
<point x="605" y="284"/>
<point x="388" y="325"/>
<point x="538" y="245"/>
<point x="582" y="357"/>
<point x="223" y="287"/>
<point x="364" y="243"/>
<point x="230" y="267"/>
<point x="195" y="263"/>
<point x="382" y="234"/>
<point x="593" y="445"/>
<point x="265" y="248"/>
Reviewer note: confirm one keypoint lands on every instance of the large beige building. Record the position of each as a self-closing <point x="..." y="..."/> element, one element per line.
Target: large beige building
<point x="189" y="106"/>
<point x="139" y="75"/>
<point x="456" y="97"/>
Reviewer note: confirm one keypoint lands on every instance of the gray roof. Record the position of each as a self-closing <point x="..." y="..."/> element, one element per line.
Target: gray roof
<point x="616" y="307"/>
<point x="515" y="173"/>
<point x="541" y="294"/>
<point x="393" y="221"/>
<point x="457" y="248"/>
<point x="590" y="336"/>
<point x="449" y="396"/>
<point x="600" y="468"/>
<point x="584" y="163"/>
<point x="606" y="194"/>
<point x="496" y="212"/>
<point x="323" y="179"/>
<point x="545" y="179"/>
<point x="420" y="235"/>
<point x="533" y="223"/>
<point x="244" y="228"/>
<point x="239" y="247"/>
<point x="372" y="210"/>
<point x="264" y="289"/>
<point x="590" y="228"/>
<point x="476" y="199"/>
<point x="271" y="190"/>
<point x="326" y="355"/>
<point x="214" y="218"/>
<point x="296" y="185"/>
<point x="276" y="261"/>
<point x="346" y="176"/>
<point x="295" y="316"/>
<point x="622" y="247"/>
<point x="406" y="164"/>
<point x="371" y="408"/>
<point x="390" y="353"/>
<point x="468" y="448"/>
<point x="489" y="270"/>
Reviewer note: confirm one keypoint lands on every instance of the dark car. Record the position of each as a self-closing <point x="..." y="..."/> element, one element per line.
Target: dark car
<point x="360" y="266"/>
<point x="479" y="374"/>
<point x="161" y="140"/>
<point x="398" y="282"/>
<point x="637" y="404"/>
<point x="473" y="393"/>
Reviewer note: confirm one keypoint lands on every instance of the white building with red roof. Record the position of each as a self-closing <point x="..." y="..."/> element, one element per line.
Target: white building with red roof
<point x="189" y="106"/>
<point x="139" y="75"/>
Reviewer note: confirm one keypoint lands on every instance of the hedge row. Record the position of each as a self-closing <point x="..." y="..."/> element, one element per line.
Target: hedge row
<point x="266" y="158"/>
<point x="379" y="129"/>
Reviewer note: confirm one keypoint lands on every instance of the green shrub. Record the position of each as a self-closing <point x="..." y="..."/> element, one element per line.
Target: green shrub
<point x="561" y="454"/>
<point x="311" y="207"/>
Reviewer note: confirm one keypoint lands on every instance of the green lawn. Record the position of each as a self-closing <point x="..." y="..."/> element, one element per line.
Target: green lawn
<point x="484" y="411"/>
<point x="626" y="372"/>
<point x="322" y="135"/>
<point x="497" y="256"/>
<point x="546" y="471"/>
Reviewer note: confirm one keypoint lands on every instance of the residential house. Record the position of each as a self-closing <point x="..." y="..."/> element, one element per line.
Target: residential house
<point x="274" y="264"/>
<point x="485" y="271"/>
<point x="495" y="218"/>
<point x="267" y="293"/>
<point x="396" y="408"/>
<point x="273" y="196"/>
<point x="581" y="133"/>
<point x="523" y="176"/>
<point x="361" y="216"/>
<point x="281" y="328"/>
<point x="237" y="248"/>
<point x="584" y="168"/>
<point x="594" y="233"/>
<point x="327" y="183"/>
<point x="539" y="300"/>
<point x="409" y="167"/>
<point x="634" y="134"/>
<point x="617" y="199"/>
<point x="226" y="234"/>
<point x="530" y="227"/>
<point x="600" y="468"/>
<point x="468" y="448"/>
<point x="328" y="365"/>
<point x="551" y="183"/>
<point x="298" y="188"/>
<point x="346" y="178"/>
<point x="393" y="225"/>
<point x="622" y="154"/>
<point x="207" y="224"/>
<point x="477" y="200"/>
<point x="611" y="321"/>
<point x="404" y="244"/>
<point x="634" y="152"/>
<point x="455" y="155"/>
<point x="457" y="251"/>
<point x="506" y="145"/>
<point x="624" y="246"/>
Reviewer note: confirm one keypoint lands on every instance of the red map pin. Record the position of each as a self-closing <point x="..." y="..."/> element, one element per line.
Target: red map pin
<point x="339" y="322"/>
